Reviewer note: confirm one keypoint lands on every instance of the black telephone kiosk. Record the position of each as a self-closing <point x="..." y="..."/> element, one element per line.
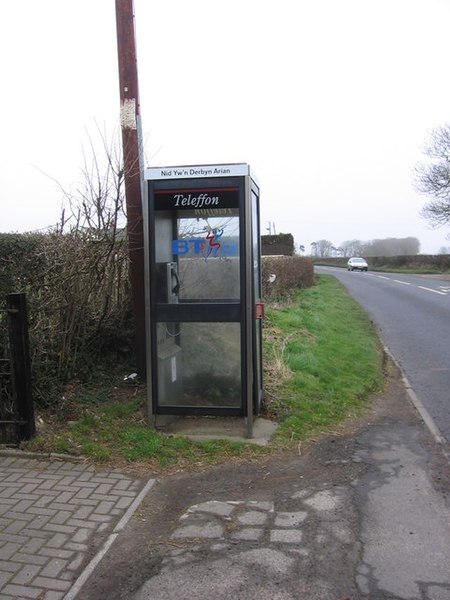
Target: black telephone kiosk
<point x="203" y="291"/>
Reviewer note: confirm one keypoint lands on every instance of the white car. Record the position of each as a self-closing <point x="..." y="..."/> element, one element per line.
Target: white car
<point x="357" y="264"/>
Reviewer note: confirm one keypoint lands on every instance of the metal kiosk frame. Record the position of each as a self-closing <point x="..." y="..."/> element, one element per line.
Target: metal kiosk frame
<point x="203" y="291"/>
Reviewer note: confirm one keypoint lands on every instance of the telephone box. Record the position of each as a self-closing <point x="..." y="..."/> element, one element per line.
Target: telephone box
<point x="203" y="302"/>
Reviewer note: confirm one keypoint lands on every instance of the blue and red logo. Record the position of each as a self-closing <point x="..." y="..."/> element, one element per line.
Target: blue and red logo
<point x="212" y="246"/>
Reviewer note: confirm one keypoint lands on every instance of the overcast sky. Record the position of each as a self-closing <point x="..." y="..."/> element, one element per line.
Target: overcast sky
<point x="329" y="101"/>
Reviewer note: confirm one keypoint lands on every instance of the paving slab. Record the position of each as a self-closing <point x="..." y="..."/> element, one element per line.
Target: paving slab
<point x="56" y="516"/>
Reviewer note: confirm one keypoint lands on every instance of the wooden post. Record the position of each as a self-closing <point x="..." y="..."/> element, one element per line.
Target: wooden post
<point x="133" y="167"/>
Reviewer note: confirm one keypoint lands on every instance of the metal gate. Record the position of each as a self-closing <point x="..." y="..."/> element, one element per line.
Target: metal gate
<point x="16" y="402"/>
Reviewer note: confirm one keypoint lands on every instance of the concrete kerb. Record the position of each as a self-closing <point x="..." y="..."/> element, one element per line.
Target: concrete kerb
<point x="15" y="453"/>
<point x="418" y="405"/>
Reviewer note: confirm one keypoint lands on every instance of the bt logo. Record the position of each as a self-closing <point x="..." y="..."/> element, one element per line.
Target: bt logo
<point x="211" y="246"/>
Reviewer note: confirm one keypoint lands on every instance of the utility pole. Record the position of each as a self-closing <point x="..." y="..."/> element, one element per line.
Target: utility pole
<point x="133" y="166"/>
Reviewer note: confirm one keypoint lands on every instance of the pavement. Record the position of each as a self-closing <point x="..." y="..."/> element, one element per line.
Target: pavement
<point x="362" y="513"/>
<point x="55" y="516"/>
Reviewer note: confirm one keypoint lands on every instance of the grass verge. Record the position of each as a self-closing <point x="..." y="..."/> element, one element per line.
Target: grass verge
<point x="322" y="360"/>
<point x="328" y="344"/>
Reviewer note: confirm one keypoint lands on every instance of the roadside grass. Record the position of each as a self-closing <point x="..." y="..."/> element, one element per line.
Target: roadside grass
<point x="328" y="344"/>
<point x="115" y="430"/>
<point x="321" y="362"/>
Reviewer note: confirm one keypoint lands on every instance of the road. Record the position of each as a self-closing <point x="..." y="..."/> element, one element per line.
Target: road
<point x="412" y="315"/>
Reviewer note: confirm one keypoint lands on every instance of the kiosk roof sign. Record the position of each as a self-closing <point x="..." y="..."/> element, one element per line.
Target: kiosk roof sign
<point x="196" y="171"/>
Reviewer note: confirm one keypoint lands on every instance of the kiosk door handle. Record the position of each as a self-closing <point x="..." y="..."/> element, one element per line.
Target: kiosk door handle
<point x="172" y="273"/>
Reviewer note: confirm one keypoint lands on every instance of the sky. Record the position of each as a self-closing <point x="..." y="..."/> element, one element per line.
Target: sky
<point x="329" y="102"/>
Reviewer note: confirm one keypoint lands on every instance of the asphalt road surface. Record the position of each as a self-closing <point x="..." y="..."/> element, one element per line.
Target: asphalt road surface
<point x="412" y="315"/>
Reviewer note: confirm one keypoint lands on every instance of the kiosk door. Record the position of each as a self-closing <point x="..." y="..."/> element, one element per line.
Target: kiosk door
<point x="196" y="301"/>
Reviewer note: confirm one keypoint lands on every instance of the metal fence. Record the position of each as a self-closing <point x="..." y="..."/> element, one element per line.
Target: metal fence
<point x="16" y="402"/>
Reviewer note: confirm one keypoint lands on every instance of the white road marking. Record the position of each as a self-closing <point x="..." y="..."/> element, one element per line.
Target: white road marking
<point x="445" y="290"/>
<point x="431" y="290"/>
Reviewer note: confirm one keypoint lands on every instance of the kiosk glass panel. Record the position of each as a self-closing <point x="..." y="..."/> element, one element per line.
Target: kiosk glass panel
<point x="207" y="250"/>
<point x="199" y="365"/>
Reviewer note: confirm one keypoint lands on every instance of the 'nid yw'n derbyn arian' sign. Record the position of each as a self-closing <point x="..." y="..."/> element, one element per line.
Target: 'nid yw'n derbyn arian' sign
<point x="197" y="171"/>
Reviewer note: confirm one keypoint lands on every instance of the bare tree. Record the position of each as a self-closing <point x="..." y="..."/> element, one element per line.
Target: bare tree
<point x="79" y="287"/>
<point x="409" y="246"/>
<point x="321" y="248"/>
<point x="97" y="206"/>
<point x="352" y="248"/>
<point x="382" y="247"/>
<point x="432" y="177"/>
